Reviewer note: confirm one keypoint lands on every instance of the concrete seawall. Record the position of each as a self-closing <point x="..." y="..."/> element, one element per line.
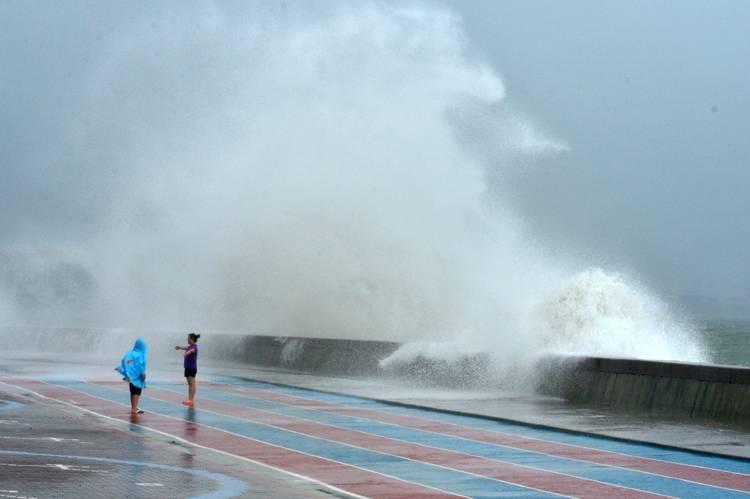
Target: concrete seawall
<point x="319" y="355"/>
<point x="696" y="391"/>
<point x="346" y="357"/>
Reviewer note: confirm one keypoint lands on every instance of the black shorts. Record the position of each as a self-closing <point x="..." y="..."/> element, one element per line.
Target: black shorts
<point x="190" y="373"/>
<point x="134" y="390"/>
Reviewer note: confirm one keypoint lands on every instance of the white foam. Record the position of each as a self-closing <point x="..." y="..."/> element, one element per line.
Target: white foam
<point x="446" y="351"/>
<point x="591" y="313"/>
<point x="599" y="313"/>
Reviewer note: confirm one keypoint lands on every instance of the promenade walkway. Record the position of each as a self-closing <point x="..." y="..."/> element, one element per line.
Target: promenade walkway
<point x="252" y="437"/>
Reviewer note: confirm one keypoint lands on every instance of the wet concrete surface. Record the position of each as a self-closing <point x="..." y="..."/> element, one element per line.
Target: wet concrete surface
<point x="704" y="436"/>
<point x="80" y="442"/>
<point x="49" y="449"/>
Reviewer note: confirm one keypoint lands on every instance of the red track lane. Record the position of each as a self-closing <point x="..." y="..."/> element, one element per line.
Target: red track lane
<point x="726" y="479"/>
<point x="547" y="481"/>
<point x="342" y="476"/>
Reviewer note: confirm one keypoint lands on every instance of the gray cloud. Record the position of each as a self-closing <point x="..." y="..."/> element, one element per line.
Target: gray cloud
<point x="653" y="98"/>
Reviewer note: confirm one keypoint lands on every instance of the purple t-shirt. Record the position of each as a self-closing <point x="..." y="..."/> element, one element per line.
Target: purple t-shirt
<point x="191" y="361"/>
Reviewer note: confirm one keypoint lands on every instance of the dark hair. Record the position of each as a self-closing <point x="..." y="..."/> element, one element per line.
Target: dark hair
<point x="194" y="336"/>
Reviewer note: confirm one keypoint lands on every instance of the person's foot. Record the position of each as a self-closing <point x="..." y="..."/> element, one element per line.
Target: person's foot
<point x="188" y="403"/>
<point x="139" y="411"/>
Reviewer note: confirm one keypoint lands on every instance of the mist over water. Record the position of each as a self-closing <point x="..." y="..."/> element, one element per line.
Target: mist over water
<point x="307" y="173"/>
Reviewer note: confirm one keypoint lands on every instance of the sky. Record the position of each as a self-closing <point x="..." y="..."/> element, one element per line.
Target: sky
<point x="653" y="99"/>
<point x="645" y="105"/>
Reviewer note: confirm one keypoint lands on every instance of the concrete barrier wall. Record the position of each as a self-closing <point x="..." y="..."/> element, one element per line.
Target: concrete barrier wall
<point x="698" y="391"/>
<point x="320" y="355"/>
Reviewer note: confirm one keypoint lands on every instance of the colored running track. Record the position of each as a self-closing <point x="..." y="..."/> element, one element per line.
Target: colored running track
<point x="365" y="448"/>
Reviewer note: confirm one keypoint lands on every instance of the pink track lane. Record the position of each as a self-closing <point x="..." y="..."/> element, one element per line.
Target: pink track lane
<point x="556" y="483"/>
<point x="727" y="479"/>
<point x="342" y="476"/>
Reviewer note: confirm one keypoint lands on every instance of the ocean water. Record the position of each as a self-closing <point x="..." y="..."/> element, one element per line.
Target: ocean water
<point x="727" y="341"/>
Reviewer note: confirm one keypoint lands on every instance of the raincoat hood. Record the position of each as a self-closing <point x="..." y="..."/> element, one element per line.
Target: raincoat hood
<point x="133" y="364"/>
<point x="140" y="346"/>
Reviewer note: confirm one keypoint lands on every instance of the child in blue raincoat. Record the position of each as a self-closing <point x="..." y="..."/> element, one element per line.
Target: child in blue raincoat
<point x="133" y="369"/>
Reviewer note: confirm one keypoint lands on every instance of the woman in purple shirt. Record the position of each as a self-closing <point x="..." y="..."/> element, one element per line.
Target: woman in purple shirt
<point x="191" y="365"/>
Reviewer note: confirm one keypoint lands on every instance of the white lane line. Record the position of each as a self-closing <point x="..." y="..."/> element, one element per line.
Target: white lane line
<point x="52" y="439"/>
<point x="55" y="466"/>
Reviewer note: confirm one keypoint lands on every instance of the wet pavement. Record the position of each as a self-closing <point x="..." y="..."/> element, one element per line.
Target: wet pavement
<point x="55" y="448"/>
<point x="702" y="436"/>
<point x="65" y="431"/>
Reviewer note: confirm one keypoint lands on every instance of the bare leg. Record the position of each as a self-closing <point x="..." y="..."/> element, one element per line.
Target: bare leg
<point x="191" y="388"/>
<point x="134" y="403"/>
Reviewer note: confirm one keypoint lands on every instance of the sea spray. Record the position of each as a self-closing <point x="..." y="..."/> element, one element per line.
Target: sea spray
<point x="312" y="172"/>
<point x="600" y="313"/>
<point x="590" y="313"/>
<point x="310" y="184"/>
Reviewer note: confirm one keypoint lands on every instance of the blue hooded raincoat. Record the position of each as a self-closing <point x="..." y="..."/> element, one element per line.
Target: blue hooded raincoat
<point x="133" y="364"/>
